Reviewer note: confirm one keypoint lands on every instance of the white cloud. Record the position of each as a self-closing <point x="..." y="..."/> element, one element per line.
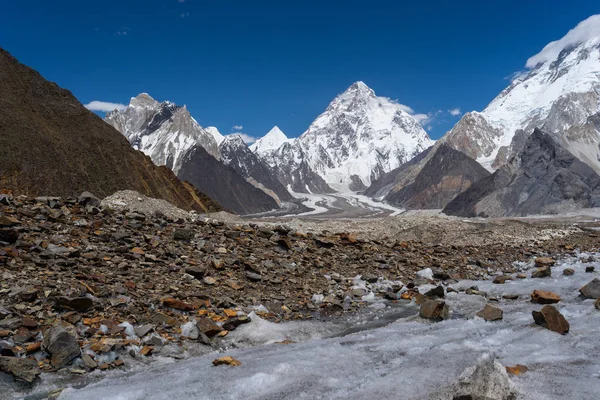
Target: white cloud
<point x="184" y="15"/>
<point x="454" y="111"/>
<point x="406" y="108"/>
<point x="421" y="118"/>
<point x="585" y="30"/>
<point x="104" y="106"/>
<point x="181" y="1"/>
<point x="238" y="127"/>
<point x="245" y="137"/>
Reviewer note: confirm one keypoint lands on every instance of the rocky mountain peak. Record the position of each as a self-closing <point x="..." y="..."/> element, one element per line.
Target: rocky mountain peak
<point x="215" y="133"/>
<point x="559" y="90"/>
<point x="271" y="141"/>
<point x="143" y="100"/>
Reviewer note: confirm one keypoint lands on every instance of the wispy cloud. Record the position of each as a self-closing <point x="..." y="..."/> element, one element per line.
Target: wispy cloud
<point x="181" y="1"/>
<point x="455" y="111"/>
<point x="238" y="127"/>
<point x="585" y="30"/>
<point x="104" y="106"/>
<point x="184" y="15"/>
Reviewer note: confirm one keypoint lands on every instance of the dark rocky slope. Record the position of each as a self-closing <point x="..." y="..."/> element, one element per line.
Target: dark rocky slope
<point x="445" y="175"/>
<point x="430" y="180"/>
<point x="236" y="154"/>
<point x="543" y="179"/>
<point x="51" y="145"/>
<point x="223" y="183"/>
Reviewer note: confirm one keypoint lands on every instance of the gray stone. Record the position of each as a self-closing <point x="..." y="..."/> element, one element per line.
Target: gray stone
<point x="88" y="199"/>
<point x="592" y="289"/>
<point x="143" y="330"/>
<point x="23" y="369"/>
<point x="60" y="345"/>
<point x="89" y="362"/>
<point x="490" y="313"/>
<point x="436" y="310"/>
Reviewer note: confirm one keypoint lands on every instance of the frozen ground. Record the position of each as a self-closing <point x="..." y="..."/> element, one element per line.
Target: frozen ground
<point x="406" y="359"/>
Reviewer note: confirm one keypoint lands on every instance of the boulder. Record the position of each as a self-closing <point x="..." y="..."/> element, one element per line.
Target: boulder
<point x="544" y="262"/>
<point x="568" y="271"/>
<point x="23" y="369"/>
<point x="208" y="327"/>
<point x="543" y="297"/>
<point x="436" y="310"/>
<point x="437" y="292"/>
<point x="61" y="345"/>
<point x="550" y="318"/>
<point x="88" y="199"/>
<point x="491" y="313"/>
<point x="592" y="289"/>
<point x="500" y="279"/>
<point x="542" y="272"/>
<point x="77" y="304"/>
<point x="589" y="269"/>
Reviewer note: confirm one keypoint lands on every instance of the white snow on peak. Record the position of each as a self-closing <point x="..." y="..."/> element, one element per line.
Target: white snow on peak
<point x="163" y="131"/>
<point x="584" y="31"/>
<point x="215" y="133"/>
<point x="361" y="134"/>
<point x="271" y="141"/>
<point x="561" y="91"/>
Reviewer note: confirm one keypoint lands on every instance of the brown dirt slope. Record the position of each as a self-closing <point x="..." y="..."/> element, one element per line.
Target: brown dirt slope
<point x="51" y="145"/>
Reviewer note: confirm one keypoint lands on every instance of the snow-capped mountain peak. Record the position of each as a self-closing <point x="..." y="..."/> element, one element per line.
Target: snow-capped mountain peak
<point x="163" y="131"/>
<point x="359" y="137"/>
<point x="558" y="93"/>
<point x="215" y="133"/>
<point x="271" y="141"/>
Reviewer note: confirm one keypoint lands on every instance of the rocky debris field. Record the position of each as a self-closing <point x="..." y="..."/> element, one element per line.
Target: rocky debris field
<point x="83" y="283"/>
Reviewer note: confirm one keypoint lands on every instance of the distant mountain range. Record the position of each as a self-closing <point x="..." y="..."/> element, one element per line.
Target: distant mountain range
<point x="535" y="148"/>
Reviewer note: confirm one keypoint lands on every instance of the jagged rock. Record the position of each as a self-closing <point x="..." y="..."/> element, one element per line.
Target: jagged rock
<point x="88" y="199"/>
<point x="78" y="304"/>
<point x="517" y="369"/>
<point x="434" y="309"/>
<point x="589" y="269"/>
<point x="227" y="360"/>
<point x="61" y="345"/>
<point x="436" y="292"/>
<point x="183" y="234"/>
<point x="592" y="289"/>
<point x="543" y="297"/>
<point x="543" y="179"/>
<point x="542" y="272"/>
<point x="196" y="272"/>
<point x="490" y="313"/>
<point x="6" y="221"/>
<point x="23" y="369"/>
<point x="488" y="380"/>
<point x="550" y="318"/>
<point x="89" y="362"/>
<point x="178" y="304"/>
<point x="208" y="327"/>
<point x="544" y="262"/>
<point x="9" y="235"/>
<point x="233" y="323"/>
<point x="143" y="330"/>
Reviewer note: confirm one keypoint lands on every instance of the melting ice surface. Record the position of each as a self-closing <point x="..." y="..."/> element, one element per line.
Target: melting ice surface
<point x="406" y="359"/>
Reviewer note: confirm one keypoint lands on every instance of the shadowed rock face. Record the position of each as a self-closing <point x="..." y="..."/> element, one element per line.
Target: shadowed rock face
<point x="51" y="145"/>
<point x="236" y="154"/>
<point x="430" y="180"/>
<point x="447" y="173"/>
<point x="543" y="179"/>
<point x="223" y="183"/>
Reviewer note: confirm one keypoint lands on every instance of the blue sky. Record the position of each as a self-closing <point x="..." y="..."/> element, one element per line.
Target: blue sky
<point x="257" y="64"/>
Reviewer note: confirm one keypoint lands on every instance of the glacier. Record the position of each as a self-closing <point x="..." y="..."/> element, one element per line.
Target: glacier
<point x="401" y="358"/>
